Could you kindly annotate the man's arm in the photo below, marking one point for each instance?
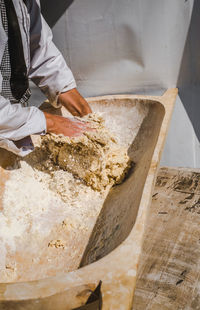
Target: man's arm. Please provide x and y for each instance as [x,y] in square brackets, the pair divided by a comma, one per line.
[74,103]
[17,123]
[49,70]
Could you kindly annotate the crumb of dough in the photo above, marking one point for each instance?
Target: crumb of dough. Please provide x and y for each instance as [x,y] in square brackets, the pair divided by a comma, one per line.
[95,157]
[9,267]
[56,244]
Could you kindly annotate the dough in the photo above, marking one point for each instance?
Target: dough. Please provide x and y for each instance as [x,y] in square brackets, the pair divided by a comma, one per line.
[94,157]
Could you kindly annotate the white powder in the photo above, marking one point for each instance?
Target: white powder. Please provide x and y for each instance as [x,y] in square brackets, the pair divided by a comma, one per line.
[35,203]
[47,219]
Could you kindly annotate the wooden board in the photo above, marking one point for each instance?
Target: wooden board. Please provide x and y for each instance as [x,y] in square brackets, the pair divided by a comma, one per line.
[169,269]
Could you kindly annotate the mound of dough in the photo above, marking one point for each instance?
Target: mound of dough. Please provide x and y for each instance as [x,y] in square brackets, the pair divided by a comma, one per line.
[94,157]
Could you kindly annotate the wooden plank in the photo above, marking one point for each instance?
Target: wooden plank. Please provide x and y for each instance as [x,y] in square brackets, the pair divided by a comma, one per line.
[169,269]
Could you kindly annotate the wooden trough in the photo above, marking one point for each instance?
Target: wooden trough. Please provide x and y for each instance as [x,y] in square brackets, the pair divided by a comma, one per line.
[113,249]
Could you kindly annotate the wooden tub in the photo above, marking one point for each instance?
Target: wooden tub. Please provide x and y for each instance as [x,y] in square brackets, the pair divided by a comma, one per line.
[114,246]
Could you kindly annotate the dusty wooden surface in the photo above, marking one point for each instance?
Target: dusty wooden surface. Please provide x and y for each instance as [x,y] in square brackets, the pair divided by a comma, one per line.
[169,270]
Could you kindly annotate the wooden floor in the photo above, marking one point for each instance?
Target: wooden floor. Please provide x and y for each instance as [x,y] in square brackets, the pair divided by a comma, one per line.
[169,271]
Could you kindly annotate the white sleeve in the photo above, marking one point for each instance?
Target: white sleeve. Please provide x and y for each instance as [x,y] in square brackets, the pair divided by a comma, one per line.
[48,69]
[16,123]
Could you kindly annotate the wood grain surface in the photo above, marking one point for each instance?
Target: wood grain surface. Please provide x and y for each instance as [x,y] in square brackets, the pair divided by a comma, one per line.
[169,269]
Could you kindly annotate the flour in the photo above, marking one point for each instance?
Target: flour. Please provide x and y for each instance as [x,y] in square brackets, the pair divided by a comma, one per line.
[40,207]
[48,214]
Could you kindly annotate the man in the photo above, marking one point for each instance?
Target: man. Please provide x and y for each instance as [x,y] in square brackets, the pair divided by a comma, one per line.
[27,52]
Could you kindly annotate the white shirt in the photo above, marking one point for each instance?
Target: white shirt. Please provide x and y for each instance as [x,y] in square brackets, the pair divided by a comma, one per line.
[46,68]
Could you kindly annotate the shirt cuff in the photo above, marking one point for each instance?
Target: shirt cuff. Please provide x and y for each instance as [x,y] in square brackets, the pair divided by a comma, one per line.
[11,147]
[35,125]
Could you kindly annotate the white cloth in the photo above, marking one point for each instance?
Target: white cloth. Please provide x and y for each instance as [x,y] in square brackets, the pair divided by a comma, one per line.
[46,68]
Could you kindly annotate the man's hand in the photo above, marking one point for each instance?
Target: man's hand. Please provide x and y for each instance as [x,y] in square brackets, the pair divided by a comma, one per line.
[66,126]
[74,103]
